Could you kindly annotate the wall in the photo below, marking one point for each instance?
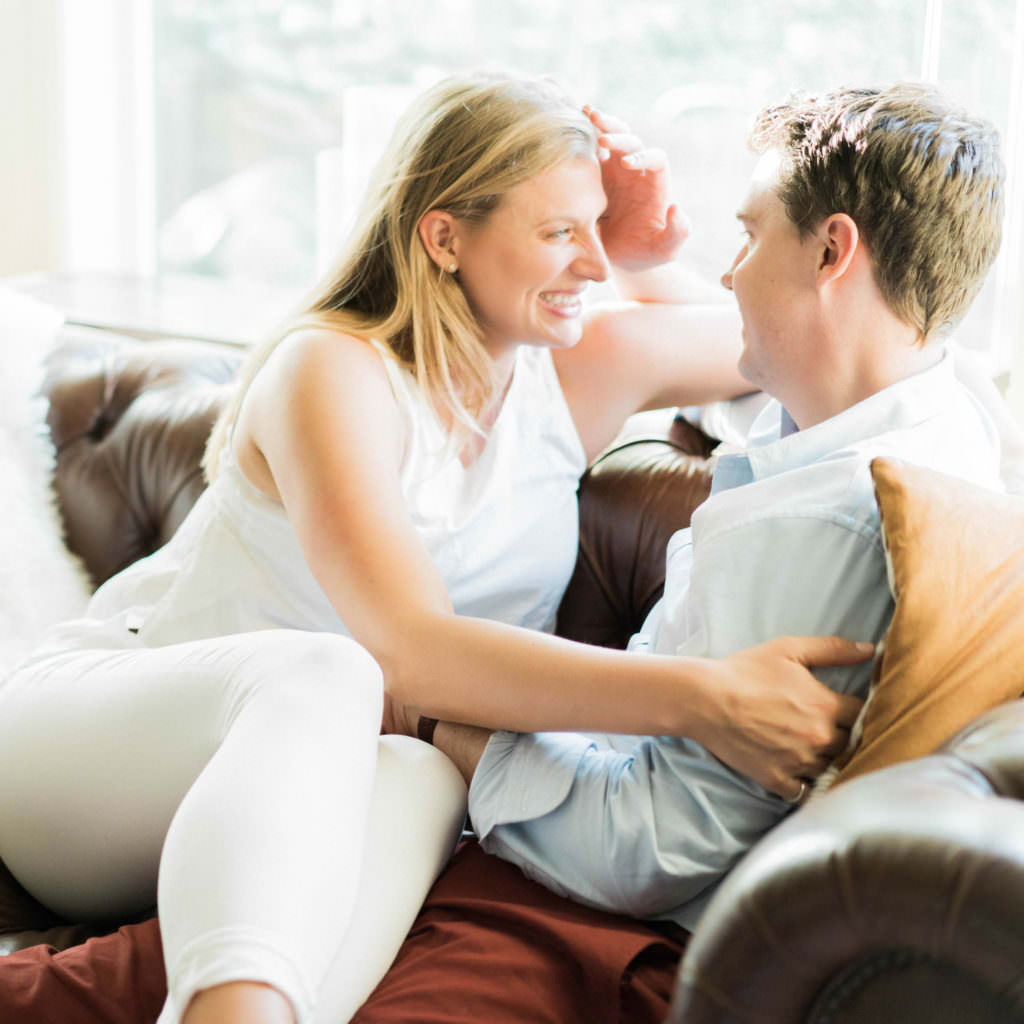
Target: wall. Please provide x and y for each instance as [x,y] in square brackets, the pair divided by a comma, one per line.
[31,137]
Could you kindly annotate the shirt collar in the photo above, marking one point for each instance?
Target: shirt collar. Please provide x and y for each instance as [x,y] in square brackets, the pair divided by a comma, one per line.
[775,445]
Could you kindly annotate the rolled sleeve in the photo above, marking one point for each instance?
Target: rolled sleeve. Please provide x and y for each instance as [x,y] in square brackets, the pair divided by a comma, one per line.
[650,828]
[523,776]
[643,832]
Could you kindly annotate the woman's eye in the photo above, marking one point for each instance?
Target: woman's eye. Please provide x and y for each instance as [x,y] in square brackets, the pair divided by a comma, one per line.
[560,233]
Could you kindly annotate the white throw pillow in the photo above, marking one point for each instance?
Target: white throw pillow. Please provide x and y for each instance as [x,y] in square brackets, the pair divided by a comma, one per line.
[41,582]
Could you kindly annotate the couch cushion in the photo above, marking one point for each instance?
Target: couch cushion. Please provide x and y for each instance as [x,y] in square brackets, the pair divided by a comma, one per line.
[953,649]
[18,910]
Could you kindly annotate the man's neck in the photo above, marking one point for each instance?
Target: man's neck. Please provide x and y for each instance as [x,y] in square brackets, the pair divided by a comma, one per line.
[862,366]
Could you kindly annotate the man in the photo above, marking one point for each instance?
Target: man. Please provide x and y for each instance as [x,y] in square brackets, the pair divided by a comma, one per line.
[869,225]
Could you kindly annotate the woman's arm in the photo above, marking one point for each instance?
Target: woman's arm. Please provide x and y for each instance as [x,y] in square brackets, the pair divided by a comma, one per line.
[648,356]
[322,418]
[675,339]
[771,755]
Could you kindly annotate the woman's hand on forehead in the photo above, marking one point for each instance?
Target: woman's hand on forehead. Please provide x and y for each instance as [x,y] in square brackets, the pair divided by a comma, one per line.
[641,227]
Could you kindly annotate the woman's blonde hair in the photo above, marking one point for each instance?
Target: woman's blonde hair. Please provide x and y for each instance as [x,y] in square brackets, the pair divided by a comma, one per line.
[460,147]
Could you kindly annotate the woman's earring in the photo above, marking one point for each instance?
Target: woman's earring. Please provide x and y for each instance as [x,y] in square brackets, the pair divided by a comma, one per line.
[452,267]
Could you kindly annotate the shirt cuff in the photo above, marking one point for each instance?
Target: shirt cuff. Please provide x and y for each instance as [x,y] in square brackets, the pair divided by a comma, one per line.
[522,776]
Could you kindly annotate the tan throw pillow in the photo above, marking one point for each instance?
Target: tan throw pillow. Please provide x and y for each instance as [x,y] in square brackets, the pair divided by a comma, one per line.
[955,647]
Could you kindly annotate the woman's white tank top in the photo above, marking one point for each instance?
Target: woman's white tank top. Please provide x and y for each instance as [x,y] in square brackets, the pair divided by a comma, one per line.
[503,531]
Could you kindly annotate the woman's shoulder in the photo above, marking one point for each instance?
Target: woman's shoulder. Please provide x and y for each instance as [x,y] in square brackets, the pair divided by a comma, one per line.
[315,373]
[324,350]
[321,391]
[316,383]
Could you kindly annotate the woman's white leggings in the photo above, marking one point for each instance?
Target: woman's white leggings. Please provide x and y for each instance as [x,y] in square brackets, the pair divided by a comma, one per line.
[241,783]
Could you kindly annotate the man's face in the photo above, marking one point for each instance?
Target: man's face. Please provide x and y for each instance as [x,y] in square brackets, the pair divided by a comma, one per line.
[774,280]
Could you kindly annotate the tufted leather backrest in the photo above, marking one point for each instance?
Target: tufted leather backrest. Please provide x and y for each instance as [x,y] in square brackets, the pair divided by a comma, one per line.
[130,420]
[642,489]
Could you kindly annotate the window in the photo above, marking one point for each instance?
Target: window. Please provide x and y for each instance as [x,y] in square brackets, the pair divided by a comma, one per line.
[267,114]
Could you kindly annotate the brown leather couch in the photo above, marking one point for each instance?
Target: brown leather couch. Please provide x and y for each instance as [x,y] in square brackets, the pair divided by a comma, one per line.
[898,897]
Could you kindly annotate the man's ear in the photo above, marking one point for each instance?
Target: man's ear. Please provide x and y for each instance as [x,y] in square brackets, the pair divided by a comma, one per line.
[437,230]
[840,241]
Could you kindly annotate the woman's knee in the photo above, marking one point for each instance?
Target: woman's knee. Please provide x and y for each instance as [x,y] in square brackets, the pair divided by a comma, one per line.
[325,673]
[412,763]
[421,785]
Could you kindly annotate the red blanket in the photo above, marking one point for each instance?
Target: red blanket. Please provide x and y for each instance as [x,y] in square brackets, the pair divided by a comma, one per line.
[489,945]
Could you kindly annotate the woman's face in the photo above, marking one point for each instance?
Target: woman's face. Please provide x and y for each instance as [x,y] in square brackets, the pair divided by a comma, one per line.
[525,268]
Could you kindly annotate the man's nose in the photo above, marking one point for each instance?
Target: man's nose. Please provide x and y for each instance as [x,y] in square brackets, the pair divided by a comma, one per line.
[726,278]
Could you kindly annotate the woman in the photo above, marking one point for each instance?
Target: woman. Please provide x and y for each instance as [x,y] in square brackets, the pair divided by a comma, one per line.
[392,502]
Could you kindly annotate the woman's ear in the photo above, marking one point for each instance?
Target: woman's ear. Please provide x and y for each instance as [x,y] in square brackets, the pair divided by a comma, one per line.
[437,230]
[840,241]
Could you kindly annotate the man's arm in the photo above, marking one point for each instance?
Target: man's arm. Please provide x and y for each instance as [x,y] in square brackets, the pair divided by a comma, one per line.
[644,829]
[464,745]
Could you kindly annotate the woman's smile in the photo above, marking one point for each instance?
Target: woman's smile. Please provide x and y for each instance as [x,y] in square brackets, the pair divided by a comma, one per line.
[567,304]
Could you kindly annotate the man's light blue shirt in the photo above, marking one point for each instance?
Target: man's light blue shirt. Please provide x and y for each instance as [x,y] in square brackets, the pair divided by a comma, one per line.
[789,542]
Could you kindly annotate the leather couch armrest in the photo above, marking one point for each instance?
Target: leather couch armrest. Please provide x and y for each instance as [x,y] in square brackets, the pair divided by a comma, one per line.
[896,898]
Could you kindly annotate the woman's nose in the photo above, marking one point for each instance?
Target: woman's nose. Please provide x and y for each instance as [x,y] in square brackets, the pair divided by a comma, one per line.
[592,262]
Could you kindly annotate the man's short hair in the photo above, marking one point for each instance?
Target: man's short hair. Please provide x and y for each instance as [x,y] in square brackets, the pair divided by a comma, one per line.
[922,180]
